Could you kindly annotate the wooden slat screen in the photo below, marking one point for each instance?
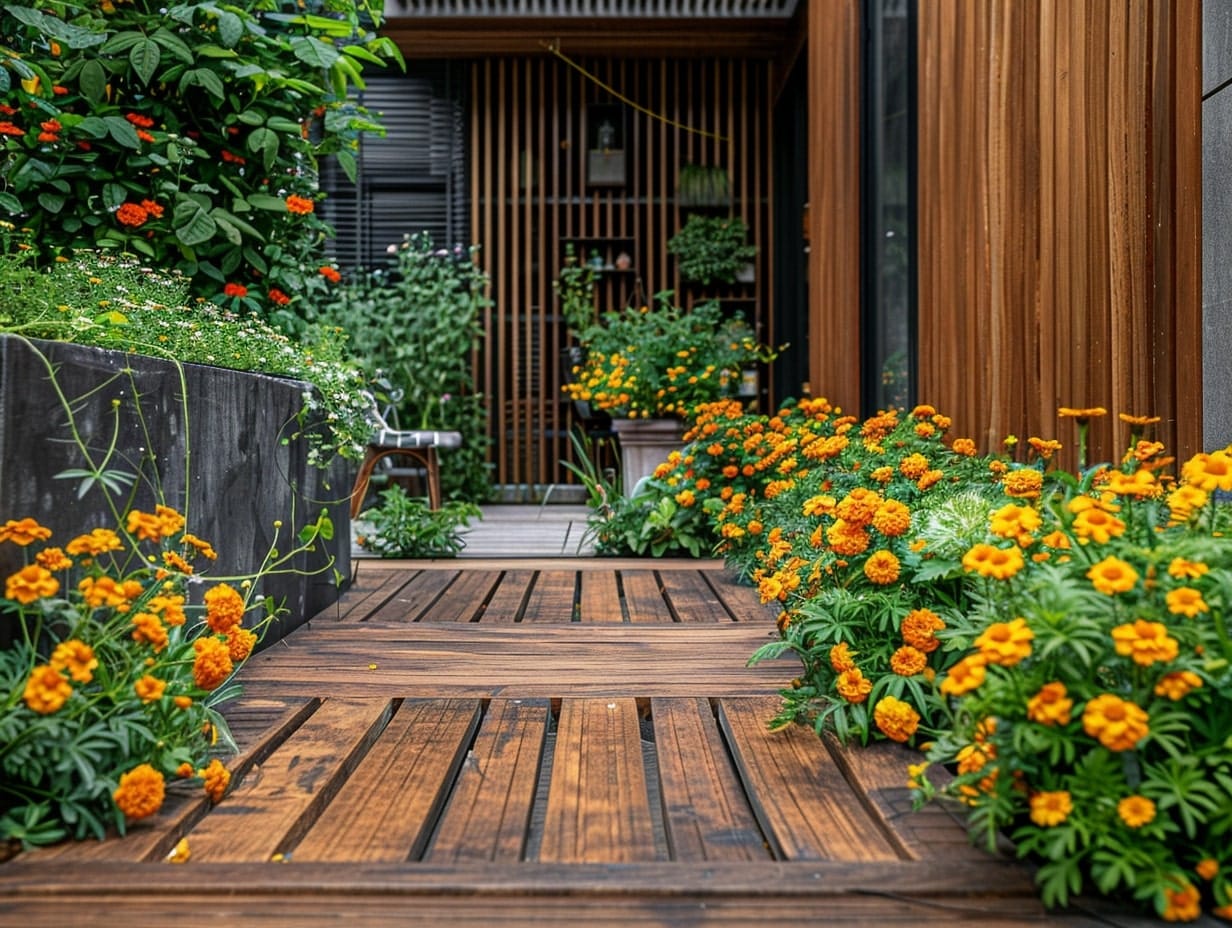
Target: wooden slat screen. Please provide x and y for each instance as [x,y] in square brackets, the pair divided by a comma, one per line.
[528,144]
[1059,216]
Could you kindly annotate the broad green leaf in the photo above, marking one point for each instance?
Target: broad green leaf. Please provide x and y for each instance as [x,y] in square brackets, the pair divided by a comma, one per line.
[232,235]
[230,29]
[122,131]
[315,53]
[114,195]
[282,124]
[6,83]
[211,82]
[121,42]
[265,201]
[265,141]
[193,225]
[93,81]
[222,215]
[174,44]
[346,160]
[253,257]
[144,58]
[215,51]
[358,51]
[93,126]
[10,204]
[52,202]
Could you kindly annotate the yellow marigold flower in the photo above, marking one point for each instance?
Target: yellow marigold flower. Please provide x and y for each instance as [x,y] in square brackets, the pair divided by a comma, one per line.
[892,518]
[990,561]
[182,702]
[23,531]
[923,411]
[964,446]
[1142,484]
[177,563]
[1138,421]
[1082,415]
[1184,502]
[1209,472]
[217,778]
[1187,601]
[1177,684]
[972,758]
[914,466]
[148,628]
[53,559]
[1023,483]
[1011,521]
[964,676]
[224,608]
[145,525]
[1112,575]
[184,771]
[818,505]
[686,498]
[882,568]
[1117,723]
[1051,705]
[99,541]
[1187,570]
[212,664]
[895,718]
[77,658]
[1056,539]
[141,792]
[46,690]
[859,506]
[1006,643]
[1049,809]
[1207,868]
[925,429]
[29,584]
[1136,811]
[908,661]
[915,775]
[150,688]
[846,539]
[754,527]
[770,589]
[919,628]
[852,686]
[105,591]
[930,479]
[1098,526]
[169,520]
[841,658]
[1182,905]
[1045,448]
[169,608]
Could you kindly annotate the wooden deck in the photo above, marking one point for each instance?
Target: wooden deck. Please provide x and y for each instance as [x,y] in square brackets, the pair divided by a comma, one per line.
[486,742]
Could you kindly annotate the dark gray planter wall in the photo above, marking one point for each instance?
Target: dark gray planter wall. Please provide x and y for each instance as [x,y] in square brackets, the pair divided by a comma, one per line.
[1216,223]
[241,477]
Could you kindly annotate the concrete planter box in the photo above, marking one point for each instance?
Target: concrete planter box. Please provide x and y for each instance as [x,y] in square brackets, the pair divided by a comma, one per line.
[241,479]
[644,445]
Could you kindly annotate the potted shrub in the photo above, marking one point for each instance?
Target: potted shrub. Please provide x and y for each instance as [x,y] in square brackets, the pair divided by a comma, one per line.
[712,249]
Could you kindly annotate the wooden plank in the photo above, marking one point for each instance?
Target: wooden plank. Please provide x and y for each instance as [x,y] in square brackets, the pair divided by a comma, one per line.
[388,805]
[415,597]
[552,597]
[534,560]
[490,808]
[370,589]
[879,772]
[644,597]
[600,597]
[597,809]
[508,600]
[741,599]
[518,661]
[705,810]
[270,810]
[805,806]
[465,598]
[691,599]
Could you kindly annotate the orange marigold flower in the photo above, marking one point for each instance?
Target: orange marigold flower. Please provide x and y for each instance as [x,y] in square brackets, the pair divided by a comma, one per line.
[141,792]
[1177,684]
[138,120]
[182,702]
[846,539]
[217,778]
[908,661]
[77,658]
[23,531]
[277,297]
[1182,905]
[204,548]
[895,718]
[1138,421]
[240,642]
[53,559]
[841,658]
[236,290]
[105,591]
[892,518]
[1136,811]
[1045,448]
[1049,809]
[1141,484]
[1082,415]
[925,429]
[930,479]
[1098,526]
[329,273]
[1207,868]
[964,446]
[1118,723]
[1023,483]
[1051,705]
[175,562]
[882,474]
[923,411]
[859,506]
[212,664]
[1006,643]
[150,688]
[46,690]
[852,686]
[1209,472]
[145,525]
[132,215]
[169,608]
[1187,601]
[819,505]
[300,206]
[964,676]
[990,561]
[148,628]
[919,628]
[224,608]
[1012,521]
[184,771]
[1184,502]
[1112,575]
[1187,570]
[914,466]
[99,541]
[31,583]
[882,567]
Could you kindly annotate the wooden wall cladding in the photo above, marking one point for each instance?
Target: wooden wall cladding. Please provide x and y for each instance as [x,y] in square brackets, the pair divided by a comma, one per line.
[530,194]
[1059,216]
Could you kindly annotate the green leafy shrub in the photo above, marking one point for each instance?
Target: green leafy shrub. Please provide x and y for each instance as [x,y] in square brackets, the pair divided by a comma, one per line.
[188,134]
[405,526]
[712,248]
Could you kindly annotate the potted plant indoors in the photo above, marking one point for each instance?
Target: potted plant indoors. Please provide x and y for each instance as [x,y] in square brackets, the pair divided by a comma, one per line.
[712,249]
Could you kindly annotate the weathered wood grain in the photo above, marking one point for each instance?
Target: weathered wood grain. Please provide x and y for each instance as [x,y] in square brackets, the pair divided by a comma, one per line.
[644,597]
[508,600]
[552,597]
[691,598]
[464,600]
[600,597]
[414,597]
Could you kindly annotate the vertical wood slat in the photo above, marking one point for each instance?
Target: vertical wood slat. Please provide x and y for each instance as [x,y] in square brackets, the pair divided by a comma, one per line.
[1067,278]
[528,117]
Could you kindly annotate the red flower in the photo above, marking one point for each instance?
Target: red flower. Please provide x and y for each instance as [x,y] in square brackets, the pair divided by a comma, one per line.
[59,90]
[278,297]
[84,145]
[7,110]
[51,125]
[48,137]
[137,119]
[301,206]
[330,274]
[130,214]
[7,128]
[235,290]
[153,208]
[233,159]
[144,136]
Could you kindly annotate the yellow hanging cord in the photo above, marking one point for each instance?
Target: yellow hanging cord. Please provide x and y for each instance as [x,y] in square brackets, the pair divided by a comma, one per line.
[555,50]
